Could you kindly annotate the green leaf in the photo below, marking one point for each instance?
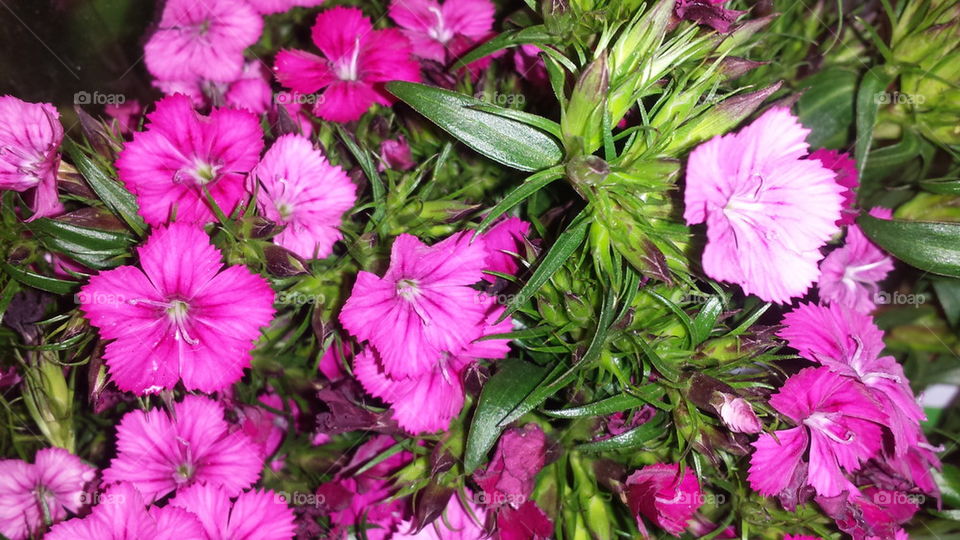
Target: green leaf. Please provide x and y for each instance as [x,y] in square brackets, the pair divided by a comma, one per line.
[613,404]
[531,185]
[703,324]
[532,34]
[500,395]
[826,106]
[631,439]
[116,197]
[568,242]
[512,143]
[95,248]
[873,84]
[37,281]
[532,120]
[948,293]
[942,186]
[930,246]
[370,170]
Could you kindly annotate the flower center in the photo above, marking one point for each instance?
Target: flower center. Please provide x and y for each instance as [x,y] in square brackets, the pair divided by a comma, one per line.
[408,289]
[826,424]
[440,31]
[850,277]
[199,174]
[177,312]
[346,67]
[183,473]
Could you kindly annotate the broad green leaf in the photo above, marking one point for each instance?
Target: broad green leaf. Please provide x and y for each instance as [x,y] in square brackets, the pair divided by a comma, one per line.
[948,293]
[116,197]
[612,404]
[826,106]
[95,248]
[631,439]
[514,380]
[930,246]
[869,98]
[568,242]
[558,378]
[37,281]
[532,120]
[512,143]
[531,185]
[942,186]
[532,34]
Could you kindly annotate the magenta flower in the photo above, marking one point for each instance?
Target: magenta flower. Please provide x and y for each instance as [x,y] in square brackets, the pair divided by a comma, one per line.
[872,513]
[160,453]
[661,494]
[202,40]
[768,211]
[53,484]
[443,32]
[254,515]
[182,153]
[121,514]
[505,242]
[266,7]
[357,61]
[251,91]
[845,168]
[849,275]
[302,192]
[837,421]
[264,427]
[179,317]
[849,343]
[509,478]
[395,154]
[423,308]
[126,114]
[30,135]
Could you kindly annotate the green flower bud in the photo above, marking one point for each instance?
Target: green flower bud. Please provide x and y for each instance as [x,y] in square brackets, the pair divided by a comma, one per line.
[49,399]
[581,121]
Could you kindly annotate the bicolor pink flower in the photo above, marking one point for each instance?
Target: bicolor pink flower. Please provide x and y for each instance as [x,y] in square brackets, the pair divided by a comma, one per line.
[181,316]
[457,522]
[837,422]
[301,191]
[253,515]
[849,275]
[736,413]
[52,485]
[395,154]
[849,343]
[708,12]
[845,167]
[30,136]
[422,309]
[159,452]
[266,7]
[202,40]
[122,514]
[505,244]
[768,211]
[183,153]
[661,494]
[357,60]
[443,32]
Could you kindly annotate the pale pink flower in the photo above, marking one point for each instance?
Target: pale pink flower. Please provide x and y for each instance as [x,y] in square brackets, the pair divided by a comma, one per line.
[737,413]
[456,523]
[202,40]
[181,153]
[768,211]
[661,494]
[505,242]
[357,60]
[849,343]
[301,191]
[182,316]
[30,136]
[122,514]
[266,7]
[837,421]
[53,484]
[253,515]
[849,275]
[441,32]
[422,309]
[845,168]
[160,453]
[395,154]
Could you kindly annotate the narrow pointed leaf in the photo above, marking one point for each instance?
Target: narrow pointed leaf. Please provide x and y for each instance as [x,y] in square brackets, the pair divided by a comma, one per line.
[531,185]
[116,197]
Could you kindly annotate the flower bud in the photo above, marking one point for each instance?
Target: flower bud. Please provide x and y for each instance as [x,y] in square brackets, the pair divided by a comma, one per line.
[581,121]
